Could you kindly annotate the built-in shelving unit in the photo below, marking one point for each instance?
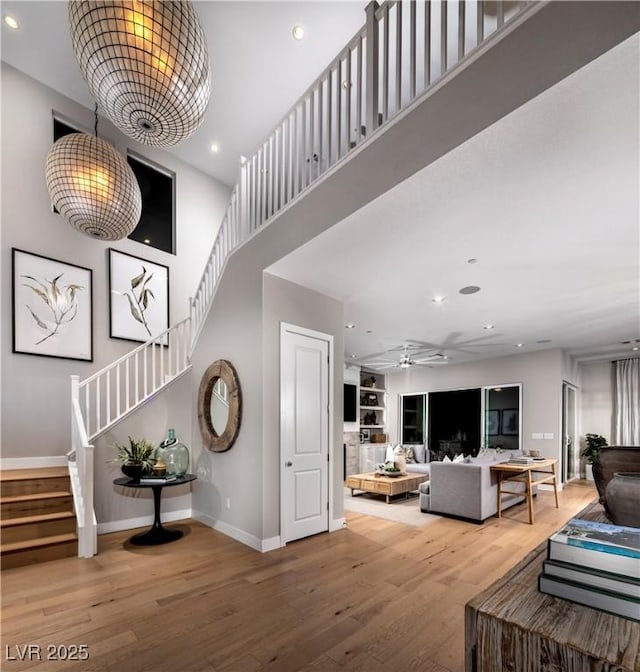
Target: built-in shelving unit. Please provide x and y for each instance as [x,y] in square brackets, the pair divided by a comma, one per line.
[372,408]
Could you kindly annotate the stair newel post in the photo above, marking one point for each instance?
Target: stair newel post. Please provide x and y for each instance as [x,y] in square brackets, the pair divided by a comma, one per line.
[75,404]
[371,98]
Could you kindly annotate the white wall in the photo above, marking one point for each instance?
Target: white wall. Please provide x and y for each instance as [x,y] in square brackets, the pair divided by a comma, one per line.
[36,390]
[596,399]
[540,374]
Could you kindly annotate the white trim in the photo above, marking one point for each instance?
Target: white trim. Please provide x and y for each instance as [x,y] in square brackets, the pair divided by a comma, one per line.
[261,545]
[337,524]
[328,338]
[549,486]
[33,462]
[142,521]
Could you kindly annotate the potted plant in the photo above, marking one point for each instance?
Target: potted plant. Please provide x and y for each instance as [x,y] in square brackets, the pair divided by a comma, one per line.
[135,459]
[593,444]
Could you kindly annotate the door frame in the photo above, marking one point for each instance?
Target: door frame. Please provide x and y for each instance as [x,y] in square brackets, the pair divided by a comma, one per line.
[328,338]
[566,388]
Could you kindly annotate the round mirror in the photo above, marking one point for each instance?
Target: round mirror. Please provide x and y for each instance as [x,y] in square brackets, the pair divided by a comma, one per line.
[219,406]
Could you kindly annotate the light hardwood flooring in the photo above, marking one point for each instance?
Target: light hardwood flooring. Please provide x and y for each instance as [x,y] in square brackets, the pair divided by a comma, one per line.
[375,596]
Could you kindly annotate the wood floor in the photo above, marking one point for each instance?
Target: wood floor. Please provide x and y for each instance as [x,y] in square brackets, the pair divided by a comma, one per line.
[377,595]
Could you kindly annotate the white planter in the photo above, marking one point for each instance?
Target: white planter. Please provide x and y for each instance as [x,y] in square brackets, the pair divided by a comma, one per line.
[589,472]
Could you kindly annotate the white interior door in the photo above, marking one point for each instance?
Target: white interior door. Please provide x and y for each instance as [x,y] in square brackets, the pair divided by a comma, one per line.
[305,414]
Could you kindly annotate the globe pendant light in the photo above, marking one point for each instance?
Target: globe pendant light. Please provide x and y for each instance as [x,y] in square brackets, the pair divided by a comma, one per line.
[146,62]
[93,187]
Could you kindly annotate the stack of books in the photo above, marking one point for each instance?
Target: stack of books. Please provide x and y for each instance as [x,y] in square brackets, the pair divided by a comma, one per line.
[150,480]
[595,564]
[521,459]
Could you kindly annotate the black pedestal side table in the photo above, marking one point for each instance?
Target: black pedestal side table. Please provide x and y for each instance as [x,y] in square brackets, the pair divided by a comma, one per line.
[156,534]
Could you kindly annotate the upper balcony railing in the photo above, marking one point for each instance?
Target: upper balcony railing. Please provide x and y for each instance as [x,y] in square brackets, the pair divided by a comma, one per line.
[400,53]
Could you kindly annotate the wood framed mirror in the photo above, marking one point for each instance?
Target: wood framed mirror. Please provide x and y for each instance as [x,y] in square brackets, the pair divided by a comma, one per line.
[219,406]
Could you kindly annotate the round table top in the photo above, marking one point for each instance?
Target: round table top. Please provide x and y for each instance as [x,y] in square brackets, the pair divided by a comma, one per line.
[131,483]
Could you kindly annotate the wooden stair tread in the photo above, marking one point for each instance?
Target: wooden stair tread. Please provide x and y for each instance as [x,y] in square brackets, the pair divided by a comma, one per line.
[54,494]
[53,540]
[31,474]
[36,518]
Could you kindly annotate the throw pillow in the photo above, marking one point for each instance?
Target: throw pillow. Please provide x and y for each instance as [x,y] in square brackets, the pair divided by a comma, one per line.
[420,453]
[389,454]
[409,456]
[459,458]
[446,458]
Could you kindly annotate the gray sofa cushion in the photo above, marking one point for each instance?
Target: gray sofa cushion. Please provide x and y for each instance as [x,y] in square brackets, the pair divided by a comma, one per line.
[418,468]
[420,453]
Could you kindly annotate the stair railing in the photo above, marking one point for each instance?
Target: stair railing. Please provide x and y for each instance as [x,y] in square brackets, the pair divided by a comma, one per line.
[400,53]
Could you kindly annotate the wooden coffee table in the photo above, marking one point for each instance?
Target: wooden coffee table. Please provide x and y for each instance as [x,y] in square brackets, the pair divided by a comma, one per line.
[386,485]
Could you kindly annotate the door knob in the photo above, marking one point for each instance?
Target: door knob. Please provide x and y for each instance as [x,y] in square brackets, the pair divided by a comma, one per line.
[288,464]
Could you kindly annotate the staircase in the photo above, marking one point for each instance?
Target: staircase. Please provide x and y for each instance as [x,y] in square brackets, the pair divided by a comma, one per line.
[37,520]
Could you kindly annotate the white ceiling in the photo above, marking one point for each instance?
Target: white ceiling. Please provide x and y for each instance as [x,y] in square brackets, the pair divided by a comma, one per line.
[258,69]
[546,199]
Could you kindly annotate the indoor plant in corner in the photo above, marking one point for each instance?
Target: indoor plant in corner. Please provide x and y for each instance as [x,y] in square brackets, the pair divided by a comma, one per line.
[136,458]
[593,444]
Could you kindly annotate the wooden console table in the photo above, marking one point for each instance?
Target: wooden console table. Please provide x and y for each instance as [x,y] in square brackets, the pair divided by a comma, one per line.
[522,473]
[512,627]
[386,485]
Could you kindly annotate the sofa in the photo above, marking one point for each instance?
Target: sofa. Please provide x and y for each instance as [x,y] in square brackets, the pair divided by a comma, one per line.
[466,490]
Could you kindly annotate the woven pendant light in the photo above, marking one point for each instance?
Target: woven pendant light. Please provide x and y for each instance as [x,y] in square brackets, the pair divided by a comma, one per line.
[93,187]
[146,63]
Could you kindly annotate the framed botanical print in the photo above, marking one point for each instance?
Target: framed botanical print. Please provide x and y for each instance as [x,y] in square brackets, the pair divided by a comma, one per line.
[52,307]
[138,297]
[493,423]
[510,422]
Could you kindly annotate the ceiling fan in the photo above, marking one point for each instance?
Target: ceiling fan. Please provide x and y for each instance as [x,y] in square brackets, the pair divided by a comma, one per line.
[406,359]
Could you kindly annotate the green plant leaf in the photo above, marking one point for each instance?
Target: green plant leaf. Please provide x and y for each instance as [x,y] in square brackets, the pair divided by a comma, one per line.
[39,322]
[134,310]
[138,279]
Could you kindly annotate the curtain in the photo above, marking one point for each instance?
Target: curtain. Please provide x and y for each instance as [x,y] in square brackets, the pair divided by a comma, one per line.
[626,407]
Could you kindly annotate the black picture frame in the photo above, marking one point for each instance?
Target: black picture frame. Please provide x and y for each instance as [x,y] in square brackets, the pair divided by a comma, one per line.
[510,422]
[138,298]
[51,307]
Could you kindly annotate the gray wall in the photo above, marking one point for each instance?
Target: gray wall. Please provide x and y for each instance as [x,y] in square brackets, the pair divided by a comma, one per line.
[36,390]
[540,374]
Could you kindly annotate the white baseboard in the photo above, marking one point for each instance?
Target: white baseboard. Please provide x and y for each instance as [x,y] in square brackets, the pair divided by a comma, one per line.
[33,462]
[548,486]
[271,544]
[337,524]
[236,533]
[142,521]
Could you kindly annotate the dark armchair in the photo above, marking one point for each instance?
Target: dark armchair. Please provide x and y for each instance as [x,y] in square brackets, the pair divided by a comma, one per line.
[612,459]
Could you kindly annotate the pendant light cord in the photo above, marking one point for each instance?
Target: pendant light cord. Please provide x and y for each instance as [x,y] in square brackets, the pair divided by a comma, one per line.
[95,120]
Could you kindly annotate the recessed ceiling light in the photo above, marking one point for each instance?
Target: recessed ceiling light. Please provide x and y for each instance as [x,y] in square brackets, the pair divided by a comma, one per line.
[471,289]
[297,32]
[489,326]
[349,326]
[472,261]
[438,299]
[544,340]
[11,21]
[519,345]
[635,347]
[215,147]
